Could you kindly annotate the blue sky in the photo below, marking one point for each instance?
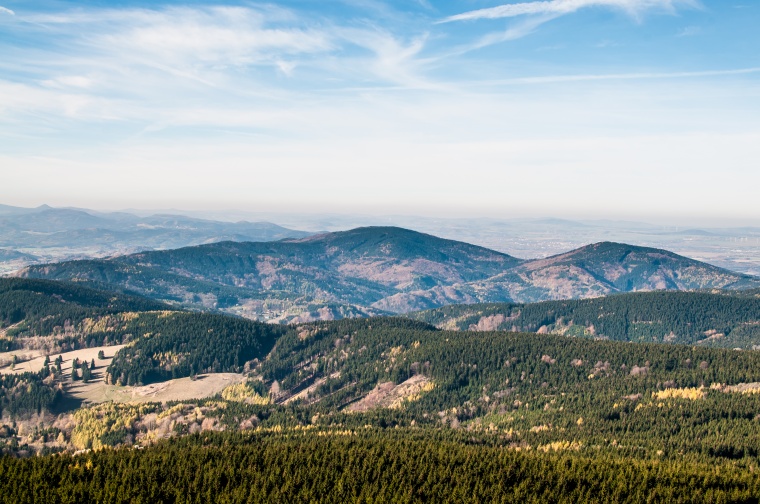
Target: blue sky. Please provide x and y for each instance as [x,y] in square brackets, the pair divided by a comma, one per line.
[575,108]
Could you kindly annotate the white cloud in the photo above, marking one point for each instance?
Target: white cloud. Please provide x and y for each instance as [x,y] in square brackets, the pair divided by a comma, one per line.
[395,59]
[4,10]
[217,35]
[561,7]
[538,13]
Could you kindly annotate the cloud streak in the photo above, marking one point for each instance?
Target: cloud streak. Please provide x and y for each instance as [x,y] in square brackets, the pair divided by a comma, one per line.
[561,7]
[554,79]
[4,10]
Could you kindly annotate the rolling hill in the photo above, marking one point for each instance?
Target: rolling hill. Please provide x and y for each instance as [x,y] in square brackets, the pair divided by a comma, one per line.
[377,270]
[692,318]
[45,226]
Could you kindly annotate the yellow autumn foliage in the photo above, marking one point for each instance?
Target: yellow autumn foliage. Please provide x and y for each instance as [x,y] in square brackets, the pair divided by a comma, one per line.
[243,392]
[691,393]
[561,446]
[94,422]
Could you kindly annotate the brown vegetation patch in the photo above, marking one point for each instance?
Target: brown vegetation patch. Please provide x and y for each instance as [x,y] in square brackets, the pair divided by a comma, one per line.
[388,395]
[490,323]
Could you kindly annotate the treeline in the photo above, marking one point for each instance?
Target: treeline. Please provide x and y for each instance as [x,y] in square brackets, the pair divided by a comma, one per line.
[177,345]
[673,317]
[400,467]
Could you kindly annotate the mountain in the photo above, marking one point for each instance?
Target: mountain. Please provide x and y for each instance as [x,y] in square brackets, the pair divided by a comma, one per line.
[378,270]
[12,255]
[360,267]
[692,318]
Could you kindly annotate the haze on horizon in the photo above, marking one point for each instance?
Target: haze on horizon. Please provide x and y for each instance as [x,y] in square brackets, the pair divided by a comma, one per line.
[643,109]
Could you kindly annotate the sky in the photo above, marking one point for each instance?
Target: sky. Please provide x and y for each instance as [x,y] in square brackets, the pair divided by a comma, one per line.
[646,109]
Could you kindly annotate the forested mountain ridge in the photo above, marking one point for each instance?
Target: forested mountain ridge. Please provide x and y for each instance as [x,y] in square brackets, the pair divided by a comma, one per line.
[681,420]
[693,318]
[384,269]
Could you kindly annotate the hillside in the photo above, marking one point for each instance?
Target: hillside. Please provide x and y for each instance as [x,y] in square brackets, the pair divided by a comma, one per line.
[520,390]
[177,345]
[375,270]
[149,346]
[692,318]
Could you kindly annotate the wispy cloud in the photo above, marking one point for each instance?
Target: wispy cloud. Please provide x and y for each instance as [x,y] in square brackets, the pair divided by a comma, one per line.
[539,13]
[561,7]
[4,10]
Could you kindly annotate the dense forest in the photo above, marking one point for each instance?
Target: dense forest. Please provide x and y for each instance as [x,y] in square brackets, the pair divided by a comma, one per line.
[408,466]
[721,320]
[176,345]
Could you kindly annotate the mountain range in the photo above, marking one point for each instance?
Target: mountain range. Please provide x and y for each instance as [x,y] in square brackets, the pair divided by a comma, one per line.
[376,270]
[29,235]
